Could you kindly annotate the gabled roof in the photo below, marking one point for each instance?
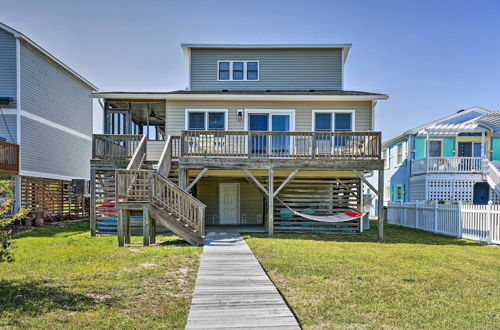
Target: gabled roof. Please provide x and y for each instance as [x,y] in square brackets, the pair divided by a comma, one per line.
[21,36]
[460,117]
[394,139]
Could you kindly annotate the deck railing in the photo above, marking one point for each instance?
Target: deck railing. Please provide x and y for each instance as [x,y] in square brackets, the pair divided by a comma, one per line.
[296,145]
[114,146]
[447,165]
[9,158]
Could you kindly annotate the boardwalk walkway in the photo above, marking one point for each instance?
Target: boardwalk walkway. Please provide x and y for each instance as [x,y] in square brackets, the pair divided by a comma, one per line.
[232,290]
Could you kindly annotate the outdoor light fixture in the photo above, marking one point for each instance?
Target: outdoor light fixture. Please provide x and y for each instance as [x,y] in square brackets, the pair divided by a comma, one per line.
[239,113]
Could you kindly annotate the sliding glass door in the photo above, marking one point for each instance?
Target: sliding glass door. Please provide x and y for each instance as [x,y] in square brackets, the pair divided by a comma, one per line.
[270,122]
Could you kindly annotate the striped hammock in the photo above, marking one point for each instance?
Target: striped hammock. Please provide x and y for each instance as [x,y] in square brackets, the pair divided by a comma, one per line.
[348,215]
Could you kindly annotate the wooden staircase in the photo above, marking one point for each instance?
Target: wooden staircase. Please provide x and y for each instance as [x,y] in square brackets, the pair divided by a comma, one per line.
[145,185]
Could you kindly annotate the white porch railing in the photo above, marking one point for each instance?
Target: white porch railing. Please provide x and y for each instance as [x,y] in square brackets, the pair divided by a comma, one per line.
[446,165]
[475,222]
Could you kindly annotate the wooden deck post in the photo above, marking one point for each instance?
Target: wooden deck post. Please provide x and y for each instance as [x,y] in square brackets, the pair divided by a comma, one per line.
[145,225]
[152,231]
[270,203]
[380,205]
[182,178]
[93,220]
[120,227]
[127,227]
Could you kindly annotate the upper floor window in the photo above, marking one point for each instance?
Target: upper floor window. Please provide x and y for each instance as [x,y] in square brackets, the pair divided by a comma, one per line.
[224,70]
[435,148]
[238,70]
[400,153]
[333,121]
[210,119]
[385,155]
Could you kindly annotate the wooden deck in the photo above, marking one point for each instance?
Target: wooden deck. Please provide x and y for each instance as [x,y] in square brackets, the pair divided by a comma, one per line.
[233,291]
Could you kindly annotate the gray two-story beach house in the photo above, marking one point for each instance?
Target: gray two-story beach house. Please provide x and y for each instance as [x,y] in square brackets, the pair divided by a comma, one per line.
[46,112]
[262,132]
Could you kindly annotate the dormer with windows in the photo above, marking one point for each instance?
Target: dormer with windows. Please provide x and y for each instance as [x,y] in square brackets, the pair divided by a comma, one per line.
[265,67]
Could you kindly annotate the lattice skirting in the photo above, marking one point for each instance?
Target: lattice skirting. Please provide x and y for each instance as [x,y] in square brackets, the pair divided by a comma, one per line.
[447,188]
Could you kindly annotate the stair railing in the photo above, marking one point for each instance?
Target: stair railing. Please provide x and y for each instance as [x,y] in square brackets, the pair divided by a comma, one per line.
[165,162]
[139,155]
[150,187]
[171,198]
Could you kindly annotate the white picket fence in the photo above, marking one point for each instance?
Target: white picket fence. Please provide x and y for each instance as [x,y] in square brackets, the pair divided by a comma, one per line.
[475,222]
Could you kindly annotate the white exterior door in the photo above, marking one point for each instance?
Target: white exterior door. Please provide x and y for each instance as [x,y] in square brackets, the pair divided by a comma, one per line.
[229,203]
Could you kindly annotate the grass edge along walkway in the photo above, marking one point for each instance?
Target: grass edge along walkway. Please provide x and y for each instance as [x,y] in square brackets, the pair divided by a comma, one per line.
[233,291]
[413,280]
[63,278]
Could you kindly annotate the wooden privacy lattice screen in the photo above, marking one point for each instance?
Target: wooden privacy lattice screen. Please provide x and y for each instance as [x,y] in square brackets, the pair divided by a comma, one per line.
[319,197]
[49,196]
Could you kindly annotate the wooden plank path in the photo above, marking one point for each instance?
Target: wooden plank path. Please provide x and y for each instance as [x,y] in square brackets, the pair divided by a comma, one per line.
[232,290]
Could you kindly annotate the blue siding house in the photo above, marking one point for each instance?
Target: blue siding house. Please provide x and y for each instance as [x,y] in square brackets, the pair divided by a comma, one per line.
[445,160]
[50,118]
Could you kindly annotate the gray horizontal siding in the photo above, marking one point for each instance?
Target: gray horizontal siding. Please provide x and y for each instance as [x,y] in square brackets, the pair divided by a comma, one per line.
[8,77]
[52,93]
[11,127]
[175,114]
[50,150]
[289,69]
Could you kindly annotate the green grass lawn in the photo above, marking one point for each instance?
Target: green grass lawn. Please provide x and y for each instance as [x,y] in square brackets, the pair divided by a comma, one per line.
[413,280]
[62,278]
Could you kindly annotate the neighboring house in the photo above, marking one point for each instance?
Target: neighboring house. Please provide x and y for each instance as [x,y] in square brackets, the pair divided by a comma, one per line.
[257,122]
[444,160]
[50,117]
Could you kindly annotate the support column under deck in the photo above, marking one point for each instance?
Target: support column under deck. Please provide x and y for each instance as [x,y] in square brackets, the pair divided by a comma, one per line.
[93,220]
[270,206]
[380,205]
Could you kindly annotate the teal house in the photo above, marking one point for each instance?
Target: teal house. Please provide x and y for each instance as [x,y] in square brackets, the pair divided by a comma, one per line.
[451,159]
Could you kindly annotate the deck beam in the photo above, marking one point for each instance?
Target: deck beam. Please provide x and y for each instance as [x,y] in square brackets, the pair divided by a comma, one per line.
[198,177]
[362,177]
[254,179]
[283,185]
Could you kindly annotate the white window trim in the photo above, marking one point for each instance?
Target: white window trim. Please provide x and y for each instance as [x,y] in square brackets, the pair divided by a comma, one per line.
[442,145]
[385,154]
[206,111]
[244,70]
[352,112]
[291,112]
[399,147]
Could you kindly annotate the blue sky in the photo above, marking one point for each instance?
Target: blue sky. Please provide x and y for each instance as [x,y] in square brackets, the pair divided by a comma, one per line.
[432,57]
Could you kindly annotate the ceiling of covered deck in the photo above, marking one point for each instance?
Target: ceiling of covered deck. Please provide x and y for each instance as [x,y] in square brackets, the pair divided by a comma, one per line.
[141,110]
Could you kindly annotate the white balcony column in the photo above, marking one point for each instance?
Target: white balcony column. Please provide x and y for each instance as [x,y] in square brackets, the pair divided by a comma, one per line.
[483,146]
[427,153]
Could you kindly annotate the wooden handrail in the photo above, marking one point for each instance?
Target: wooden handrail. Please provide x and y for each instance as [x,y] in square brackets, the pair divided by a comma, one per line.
[266,144]
[9,158]
[139,155]
[151,187]
[165,161]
